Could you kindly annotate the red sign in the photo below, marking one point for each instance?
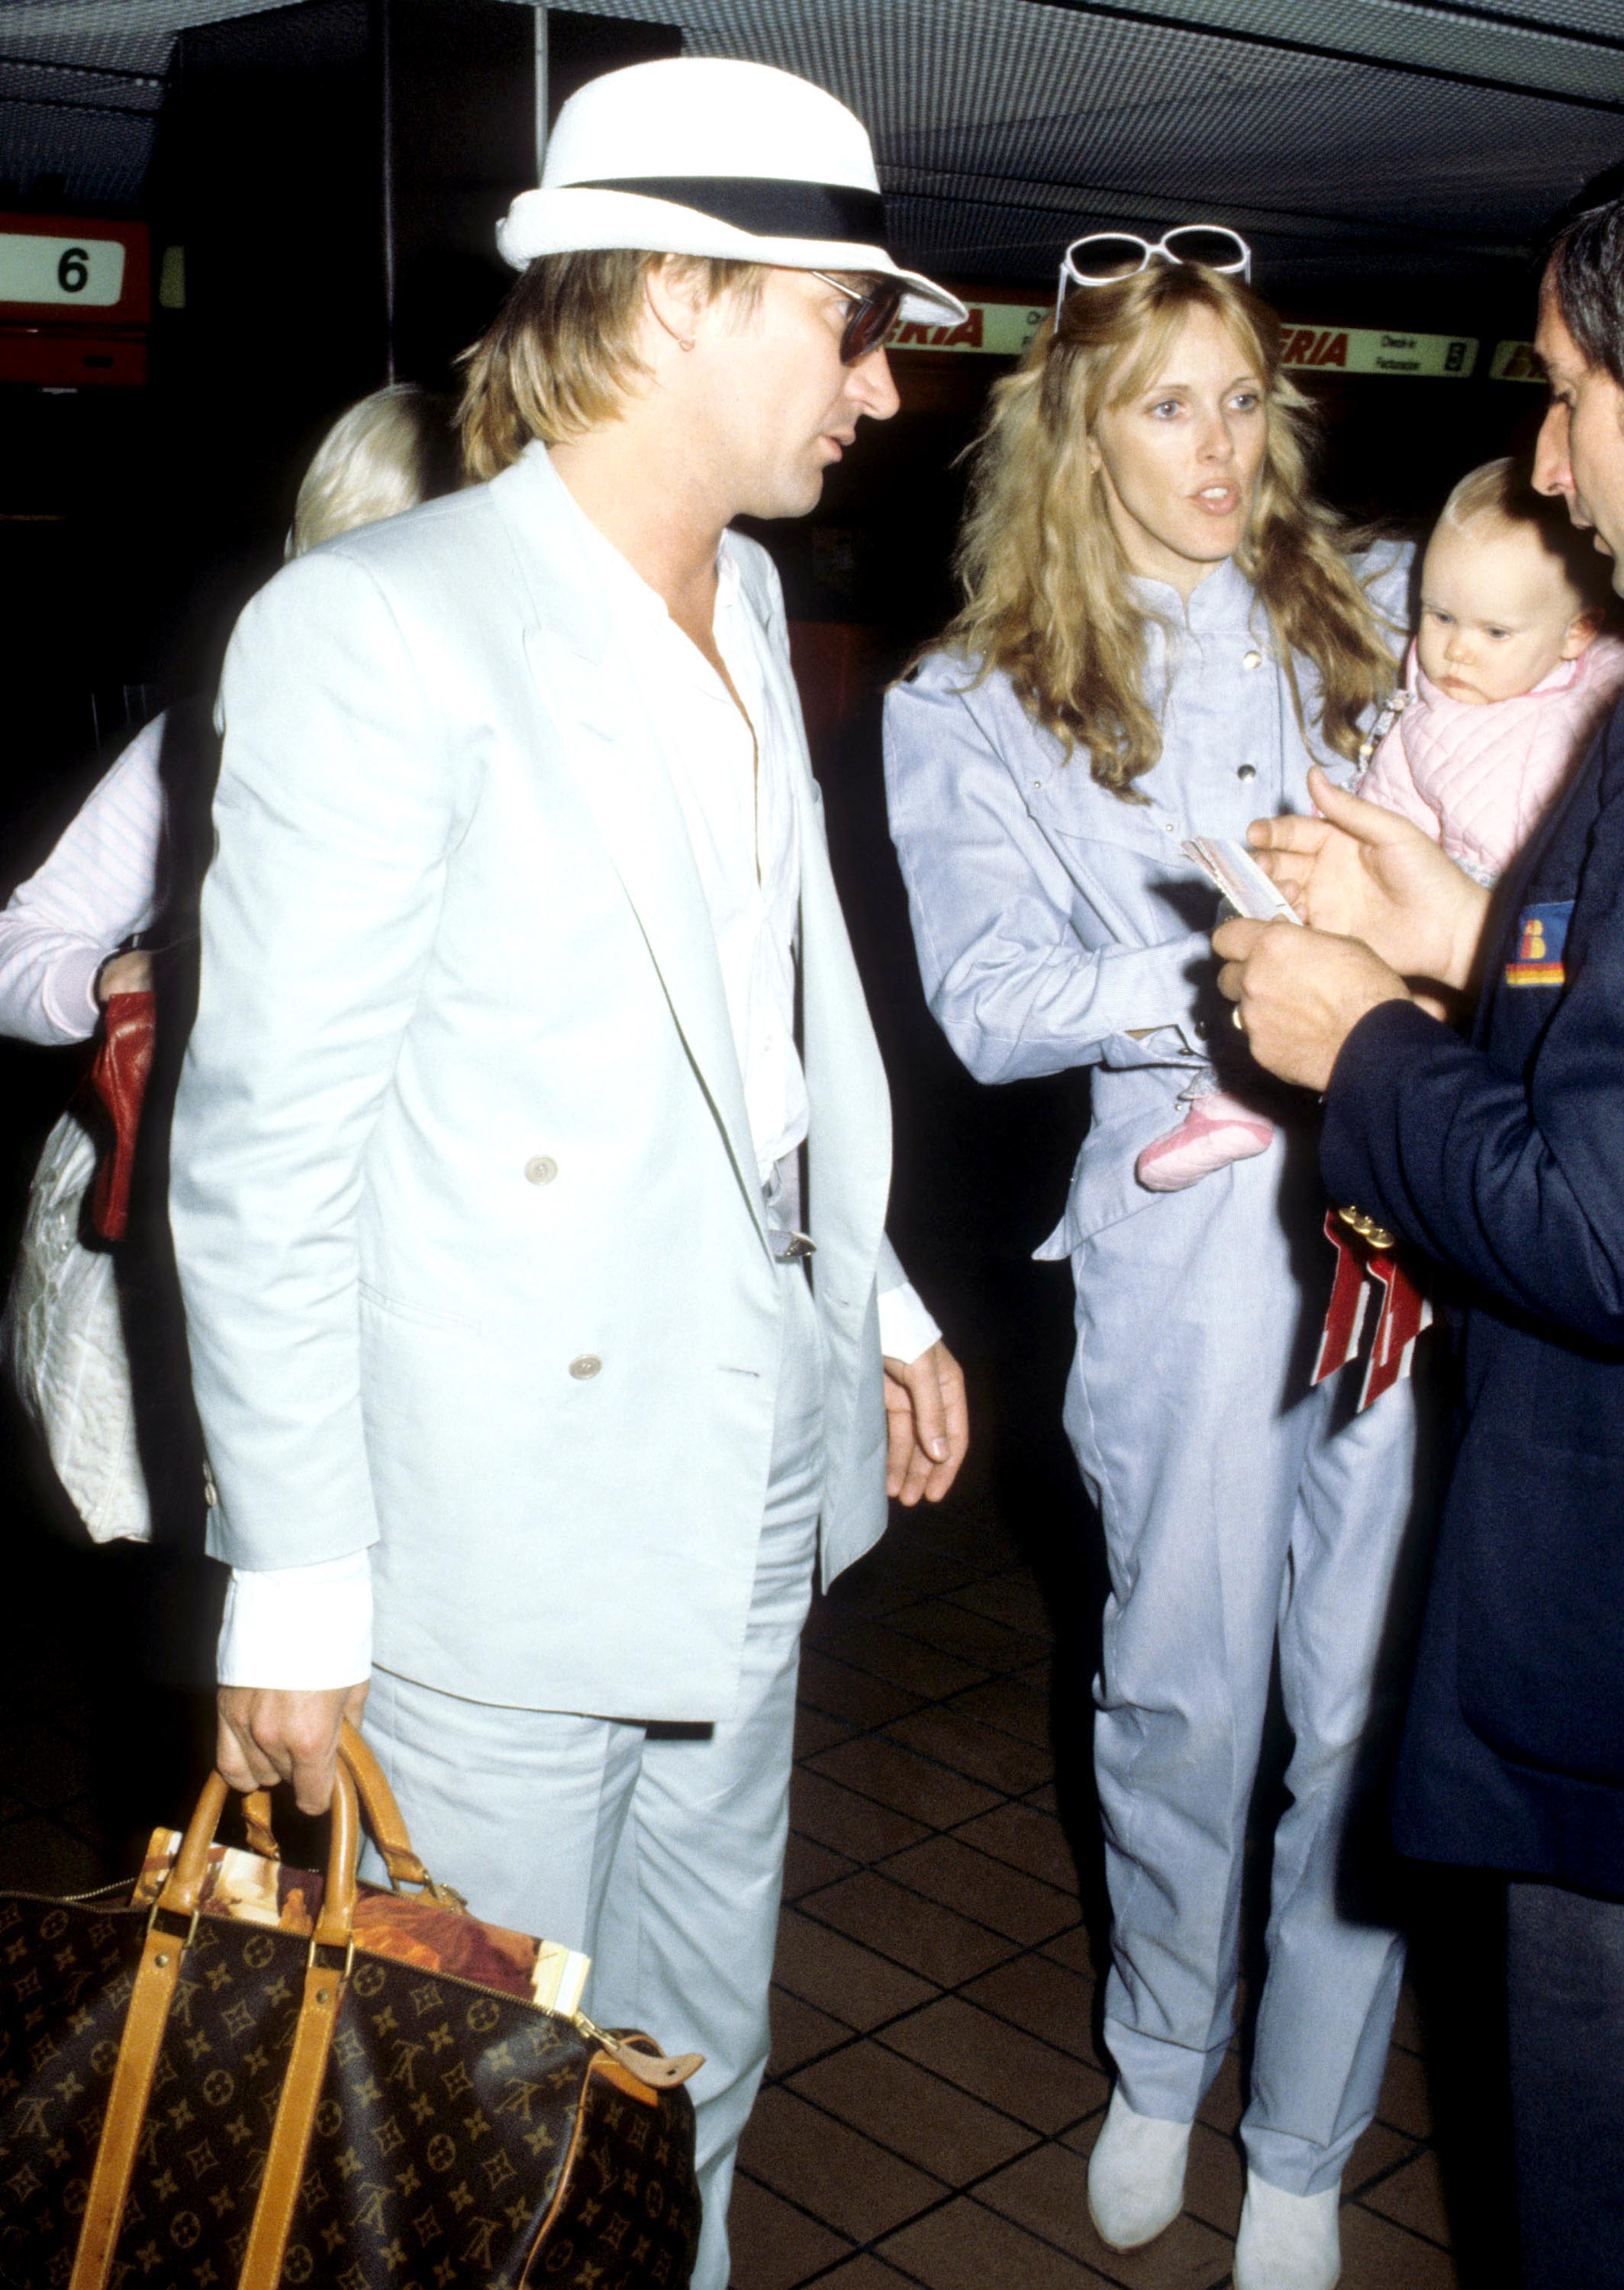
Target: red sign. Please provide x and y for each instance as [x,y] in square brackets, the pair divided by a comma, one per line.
[75,301]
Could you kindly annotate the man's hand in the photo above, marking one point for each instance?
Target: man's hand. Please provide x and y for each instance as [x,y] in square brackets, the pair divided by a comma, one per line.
[265,1735]
[927,1425]
[1366,873]
[1300,993]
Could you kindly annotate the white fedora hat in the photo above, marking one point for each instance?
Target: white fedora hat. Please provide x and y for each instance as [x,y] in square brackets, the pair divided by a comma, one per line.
[699,154]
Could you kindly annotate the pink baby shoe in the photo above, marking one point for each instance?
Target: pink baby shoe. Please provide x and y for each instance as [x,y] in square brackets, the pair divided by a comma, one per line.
[1217,1129]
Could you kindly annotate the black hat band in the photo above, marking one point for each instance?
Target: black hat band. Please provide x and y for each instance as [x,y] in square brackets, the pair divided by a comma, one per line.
[765,206]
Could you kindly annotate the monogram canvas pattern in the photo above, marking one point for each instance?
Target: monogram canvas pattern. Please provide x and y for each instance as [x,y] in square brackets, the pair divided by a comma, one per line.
[452,2122]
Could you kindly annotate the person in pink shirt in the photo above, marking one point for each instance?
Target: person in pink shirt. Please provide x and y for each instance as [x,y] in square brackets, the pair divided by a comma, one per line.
[1507,681]
[1508,678]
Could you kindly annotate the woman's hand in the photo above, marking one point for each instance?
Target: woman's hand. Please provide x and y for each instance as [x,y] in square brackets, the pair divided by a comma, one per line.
[123,974]
[1361,872]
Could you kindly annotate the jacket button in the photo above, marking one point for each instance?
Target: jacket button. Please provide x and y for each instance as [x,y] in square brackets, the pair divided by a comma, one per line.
[211,1493]
[587,1366]
[1251,660]
[541,1170]
[1245,770]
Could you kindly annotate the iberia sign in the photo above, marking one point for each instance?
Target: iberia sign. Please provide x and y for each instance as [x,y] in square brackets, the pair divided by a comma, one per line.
[1004,329]
[996,329]
[1517,362]
[1361,349]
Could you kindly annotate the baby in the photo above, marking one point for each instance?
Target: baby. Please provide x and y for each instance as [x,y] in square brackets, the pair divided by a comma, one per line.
[1507,683]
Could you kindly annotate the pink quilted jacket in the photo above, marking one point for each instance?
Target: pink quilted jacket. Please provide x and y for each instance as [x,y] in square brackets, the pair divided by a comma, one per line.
[1479,778]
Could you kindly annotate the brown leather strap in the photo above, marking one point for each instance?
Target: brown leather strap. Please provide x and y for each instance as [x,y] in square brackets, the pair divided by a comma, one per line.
[156,1979]
[183,1887]
[384,1818]
[284,2165]
[257,1821]
[307,2068]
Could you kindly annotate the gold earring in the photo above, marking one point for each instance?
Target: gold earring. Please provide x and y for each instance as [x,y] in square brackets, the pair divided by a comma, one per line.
[684,341]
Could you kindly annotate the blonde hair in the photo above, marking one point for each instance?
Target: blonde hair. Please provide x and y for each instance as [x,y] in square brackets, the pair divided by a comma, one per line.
[1502,493]
[560,358]
[1045,582]
[382,456]
[1493,489]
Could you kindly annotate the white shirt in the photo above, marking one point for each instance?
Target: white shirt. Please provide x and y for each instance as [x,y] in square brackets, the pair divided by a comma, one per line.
[310,1627]
[96,890]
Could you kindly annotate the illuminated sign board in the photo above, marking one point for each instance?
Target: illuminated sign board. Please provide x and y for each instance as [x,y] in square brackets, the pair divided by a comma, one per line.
[1004,329]
[75,301]
[1517,362]
[77,273]
[1363,349]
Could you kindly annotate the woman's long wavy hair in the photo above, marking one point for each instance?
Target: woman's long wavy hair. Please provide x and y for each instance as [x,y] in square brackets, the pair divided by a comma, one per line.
[1045,582]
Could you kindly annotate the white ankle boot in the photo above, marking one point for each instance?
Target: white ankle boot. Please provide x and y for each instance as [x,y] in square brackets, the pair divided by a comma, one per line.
[1288,2242]
[1136,2175]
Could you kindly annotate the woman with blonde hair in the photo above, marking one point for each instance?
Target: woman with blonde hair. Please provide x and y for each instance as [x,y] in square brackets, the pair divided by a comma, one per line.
[1160,634]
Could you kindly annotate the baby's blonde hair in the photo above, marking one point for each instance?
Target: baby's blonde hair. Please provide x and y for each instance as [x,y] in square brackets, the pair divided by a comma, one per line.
[1502,493]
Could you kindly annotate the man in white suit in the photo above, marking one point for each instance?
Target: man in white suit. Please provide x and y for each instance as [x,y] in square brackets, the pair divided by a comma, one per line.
[531,1373]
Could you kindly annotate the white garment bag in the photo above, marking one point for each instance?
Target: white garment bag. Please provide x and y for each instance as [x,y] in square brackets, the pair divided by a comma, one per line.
[63,1341]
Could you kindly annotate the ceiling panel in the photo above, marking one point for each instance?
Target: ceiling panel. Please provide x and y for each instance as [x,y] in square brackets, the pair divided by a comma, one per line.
[1004,126]
[1331,131]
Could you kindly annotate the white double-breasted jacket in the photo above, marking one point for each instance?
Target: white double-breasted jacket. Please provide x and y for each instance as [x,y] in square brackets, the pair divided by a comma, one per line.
[465,1200]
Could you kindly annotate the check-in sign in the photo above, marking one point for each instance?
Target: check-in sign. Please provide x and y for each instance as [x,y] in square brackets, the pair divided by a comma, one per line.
[1004,329]
[61,272]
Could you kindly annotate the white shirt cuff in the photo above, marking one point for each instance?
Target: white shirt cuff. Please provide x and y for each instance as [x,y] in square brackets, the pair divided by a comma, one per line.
[906,1328]
[69,991]
[304,1629]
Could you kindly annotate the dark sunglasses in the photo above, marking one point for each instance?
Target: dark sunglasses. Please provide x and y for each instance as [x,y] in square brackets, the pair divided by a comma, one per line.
[872,317]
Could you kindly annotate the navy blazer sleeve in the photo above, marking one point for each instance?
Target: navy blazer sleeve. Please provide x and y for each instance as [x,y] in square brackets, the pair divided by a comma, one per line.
[1504,1157]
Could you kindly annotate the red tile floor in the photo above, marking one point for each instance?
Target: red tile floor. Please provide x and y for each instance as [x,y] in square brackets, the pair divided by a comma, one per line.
[936,2083]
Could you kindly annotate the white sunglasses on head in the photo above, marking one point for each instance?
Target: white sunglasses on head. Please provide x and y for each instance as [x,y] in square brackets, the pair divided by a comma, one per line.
[1123,253]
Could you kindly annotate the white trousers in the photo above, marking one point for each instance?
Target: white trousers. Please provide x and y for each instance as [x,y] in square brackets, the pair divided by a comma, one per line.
[658,1849]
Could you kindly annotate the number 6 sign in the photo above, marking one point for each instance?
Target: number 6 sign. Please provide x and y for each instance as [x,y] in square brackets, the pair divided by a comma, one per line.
[75,301]
[53,267]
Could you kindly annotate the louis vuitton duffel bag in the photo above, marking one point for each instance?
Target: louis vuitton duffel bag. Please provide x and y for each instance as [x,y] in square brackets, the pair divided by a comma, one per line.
[234,2075]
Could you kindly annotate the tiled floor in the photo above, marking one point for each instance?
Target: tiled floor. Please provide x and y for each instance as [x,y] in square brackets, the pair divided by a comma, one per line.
[936,2081]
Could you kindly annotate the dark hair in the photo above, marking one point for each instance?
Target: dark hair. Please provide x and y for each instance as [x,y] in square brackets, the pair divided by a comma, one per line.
[1584,270]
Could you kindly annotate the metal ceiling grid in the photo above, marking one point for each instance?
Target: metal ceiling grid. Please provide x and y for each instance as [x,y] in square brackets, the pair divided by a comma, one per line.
[989,115]
[1557,54]
[81,84]
[1346,136]
[134,36]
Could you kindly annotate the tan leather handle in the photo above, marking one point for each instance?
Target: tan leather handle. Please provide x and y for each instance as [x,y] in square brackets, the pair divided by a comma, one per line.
[257,1821]
[153,1992]
[335,1925]
[323,1997]
[384,1818]
[183,1887]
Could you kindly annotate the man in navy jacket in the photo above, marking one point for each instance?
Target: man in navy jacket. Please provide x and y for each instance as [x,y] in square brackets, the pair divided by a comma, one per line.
[1501,1157]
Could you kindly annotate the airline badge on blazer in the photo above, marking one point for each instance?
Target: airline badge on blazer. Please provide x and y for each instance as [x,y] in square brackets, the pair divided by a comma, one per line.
[1541,934]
